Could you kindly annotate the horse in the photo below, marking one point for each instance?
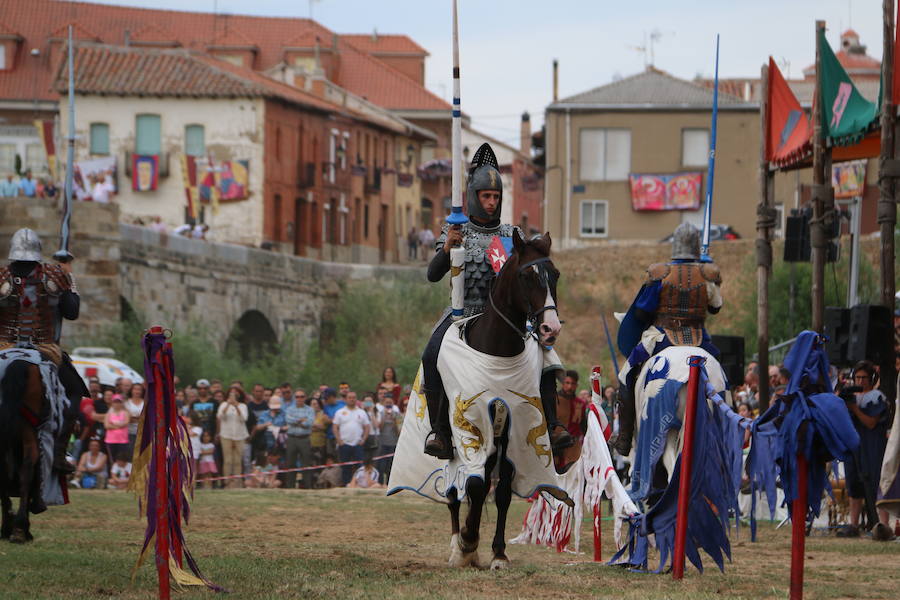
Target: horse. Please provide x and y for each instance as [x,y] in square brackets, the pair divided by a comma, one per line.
[660,395]
[23,408]
[491,366]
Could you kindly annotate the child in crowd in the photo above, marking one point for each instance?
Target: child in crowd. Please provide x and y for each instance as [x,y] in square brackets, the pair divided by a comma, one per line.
[266,476]
[330,476]
[195,431]
[120,473]
[365,477]
[207,459]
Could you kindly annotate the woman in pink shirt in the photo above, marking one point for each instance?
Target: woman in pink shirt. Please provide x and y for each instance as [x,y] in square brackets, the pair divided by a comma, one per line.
[116,425]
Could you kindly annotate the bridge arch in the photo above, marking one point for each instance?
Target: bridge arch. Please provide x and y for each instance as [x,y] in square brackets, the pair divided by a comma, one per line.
[251,336]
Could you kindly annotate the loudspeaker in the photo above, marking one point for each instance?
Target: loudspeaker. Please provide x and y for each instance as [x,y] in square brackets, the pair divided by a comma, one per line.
[731,357]
[796,238]
[871,333]
[837,329]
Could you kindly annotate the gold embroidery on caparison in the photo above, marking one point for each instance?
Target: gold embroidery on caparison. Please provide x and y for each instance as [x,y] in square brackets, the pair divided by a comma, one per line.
[535,432]
[460,421]
[454,271]
[420,393]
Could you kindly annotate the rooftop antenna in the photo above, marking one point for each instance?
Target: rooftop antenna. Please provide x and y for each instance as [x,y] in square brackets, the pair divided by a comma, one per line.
[311,3]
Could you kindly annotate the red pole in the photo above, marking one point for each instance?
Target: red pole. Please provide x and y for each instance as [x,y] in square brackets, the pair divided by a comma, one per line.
[687,459]
[162,485]
[798,528]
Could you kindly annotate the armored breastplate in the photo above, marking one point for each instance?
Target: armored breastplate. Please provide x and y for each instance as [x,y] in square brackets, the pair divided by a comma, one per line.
[28,305]
[478,270]
[683,300]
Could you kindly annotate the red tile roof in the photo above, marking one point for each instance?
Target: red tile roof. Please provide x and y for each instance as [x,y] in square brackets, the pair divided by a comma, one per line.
[381,84]
[132,71]
[232,38]
[152,34]
[385,43]
[360,73]
[79,32]
[7,32]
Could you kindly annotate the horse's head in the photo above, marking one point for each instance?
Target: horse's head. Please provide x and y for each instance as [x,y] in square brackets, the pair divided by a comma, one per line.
[530,278]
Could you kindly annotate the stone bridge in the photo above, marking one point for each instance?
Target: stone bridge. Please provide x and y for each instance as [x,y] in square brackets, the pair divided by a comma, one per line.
[250,296]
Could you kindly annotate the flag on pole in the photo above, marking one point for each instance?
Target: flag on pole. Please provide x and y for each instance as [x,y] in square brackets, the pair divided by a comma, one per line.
[846,115]
[45,132]
[189,175]
[788,131]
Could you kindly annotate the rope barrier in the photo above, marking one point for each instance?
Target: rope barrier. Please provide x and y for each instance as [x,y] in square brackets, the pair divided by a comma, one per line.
[294,470]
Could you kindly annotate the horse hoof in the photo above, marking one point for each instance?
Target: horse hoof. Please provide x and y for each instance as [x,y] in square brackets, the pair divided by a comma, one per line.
[459,558]
[499,563]
[20,536]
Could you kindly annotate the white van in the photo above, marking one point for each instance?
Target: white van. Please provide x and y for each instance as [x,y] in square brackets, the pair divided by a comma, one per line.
[102,364]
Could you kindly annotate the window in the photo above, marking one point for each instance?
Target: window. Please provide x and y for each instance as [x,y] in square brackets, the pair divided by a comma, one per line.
[235,59]
[2,57]
[7,158]
[278,143]
[194,140]
[694,147]
[605,154]
[99,138]
[594,218]
[149,134]
[35,160]
[366,221]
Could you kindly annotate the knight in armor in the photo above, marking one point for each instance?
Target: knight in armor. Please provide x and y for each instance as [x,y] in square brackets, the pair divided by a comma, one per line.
[484,197]
[35,297]
[669,310]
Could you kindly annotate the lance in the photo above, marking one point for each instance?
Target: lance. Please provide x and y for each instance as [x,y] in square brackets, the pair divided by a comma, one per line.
[707,215]
[456,218]
[63,255]
[612,348]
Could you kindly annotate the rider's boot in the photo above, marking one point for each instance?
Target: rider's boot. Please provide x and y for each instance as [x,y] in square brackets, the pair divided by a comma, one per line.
[439,443]
[622,442]
[560,439]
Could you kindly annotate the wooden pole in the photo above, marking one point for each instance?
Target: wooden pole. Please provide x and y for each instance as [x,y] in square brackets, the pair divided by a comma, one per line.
[887,207]
[817,226]
[763,245]
[687,463]
[798,528]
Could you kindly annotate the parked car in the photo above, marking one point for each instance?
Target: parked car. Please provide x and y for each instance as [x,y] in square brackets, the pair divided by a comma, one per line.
[716,233]
[101,363]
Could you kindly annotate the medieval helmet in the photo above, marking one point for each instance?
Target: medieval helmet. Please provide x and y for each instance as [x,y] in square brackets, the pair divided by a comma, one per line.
[25,245]
[686,243]
[484,174]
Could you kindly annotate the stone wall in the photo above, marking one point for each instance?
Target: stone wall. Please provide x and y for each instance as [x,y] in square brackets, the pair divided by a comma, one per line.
[94,242]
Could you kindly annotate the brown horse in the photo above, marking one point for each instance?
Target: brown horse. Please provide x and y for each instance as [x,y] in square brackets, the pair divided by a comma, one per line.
[21,413]
[524,291]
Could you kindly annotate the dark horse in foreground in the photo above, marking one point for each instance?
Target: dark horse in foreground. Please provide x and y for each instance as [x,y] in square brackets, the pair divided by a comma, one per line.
[22,411]
[523,291]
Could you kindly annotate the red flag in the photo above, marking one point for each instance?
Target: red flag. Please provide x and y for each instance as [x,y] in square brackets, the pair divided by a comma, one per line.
[496,252]
[789,133]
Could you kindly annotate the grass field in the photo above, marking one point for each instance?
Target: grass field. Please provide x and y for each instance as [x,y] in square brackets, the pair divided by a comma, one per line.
[359,544]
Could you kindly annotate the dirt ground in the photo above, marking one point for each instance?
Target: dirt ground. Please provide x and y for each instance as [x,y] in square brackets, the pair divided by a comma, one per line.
[360,544]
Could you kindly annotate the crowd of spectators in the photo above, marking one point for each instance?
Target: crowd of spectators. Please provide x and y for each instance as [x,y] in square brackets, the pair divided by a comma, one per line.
[246,436]
[27,185]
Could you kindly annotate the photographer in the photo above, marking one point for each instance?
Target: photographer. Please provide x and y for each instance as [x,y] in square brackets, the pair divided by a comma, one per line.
[868,409]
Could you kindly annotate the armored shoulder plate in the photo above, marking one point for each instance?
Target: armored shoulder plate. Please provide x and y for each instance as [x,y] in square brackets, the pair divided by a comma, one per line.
[56,280]
[658,271]
[711,273]
[6,284]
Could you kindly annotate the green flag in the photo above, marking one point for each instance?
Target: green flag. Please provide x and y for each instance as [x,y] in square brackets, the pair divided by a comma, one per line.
[846,115]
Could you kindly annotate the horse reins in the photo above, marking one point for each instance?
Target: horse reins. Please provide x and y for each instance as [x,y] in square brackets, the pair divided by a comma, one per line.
[532,315]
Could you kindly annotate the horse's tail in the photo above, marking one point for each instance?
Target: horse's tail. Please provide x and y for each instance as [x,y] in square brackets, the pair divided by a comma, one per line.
[12,397]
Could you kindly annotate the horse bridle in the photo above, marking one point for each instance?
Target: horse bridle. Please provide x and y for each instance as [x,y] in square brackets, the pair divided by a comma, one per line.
[532,315]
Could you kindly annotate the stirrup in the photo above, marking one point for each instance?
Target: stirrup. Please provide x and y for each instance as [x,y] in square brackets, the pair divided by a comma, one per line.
[439,446]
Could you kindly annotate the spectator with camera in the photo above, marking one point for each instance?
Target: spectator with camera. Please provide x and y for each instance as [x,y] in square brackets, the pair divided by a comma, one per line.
[868,409]
[351,430]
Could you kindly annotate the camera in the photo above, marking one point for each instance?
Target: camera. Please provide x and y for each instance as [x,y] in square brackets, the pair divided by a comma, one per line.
[848,394]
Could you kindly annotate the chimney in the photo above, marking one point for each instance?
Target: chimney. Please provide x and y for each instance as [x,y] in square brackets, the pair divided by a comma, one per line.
[555,80]
[525,135]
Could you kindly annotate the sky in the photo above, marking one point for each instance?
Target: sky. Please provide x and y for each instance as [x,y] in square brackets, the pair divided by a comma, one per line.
[507,46]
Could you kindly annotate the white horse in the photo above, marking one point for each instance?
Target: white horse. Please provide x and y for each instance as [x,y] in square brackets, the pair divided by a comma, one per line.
[660,395]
